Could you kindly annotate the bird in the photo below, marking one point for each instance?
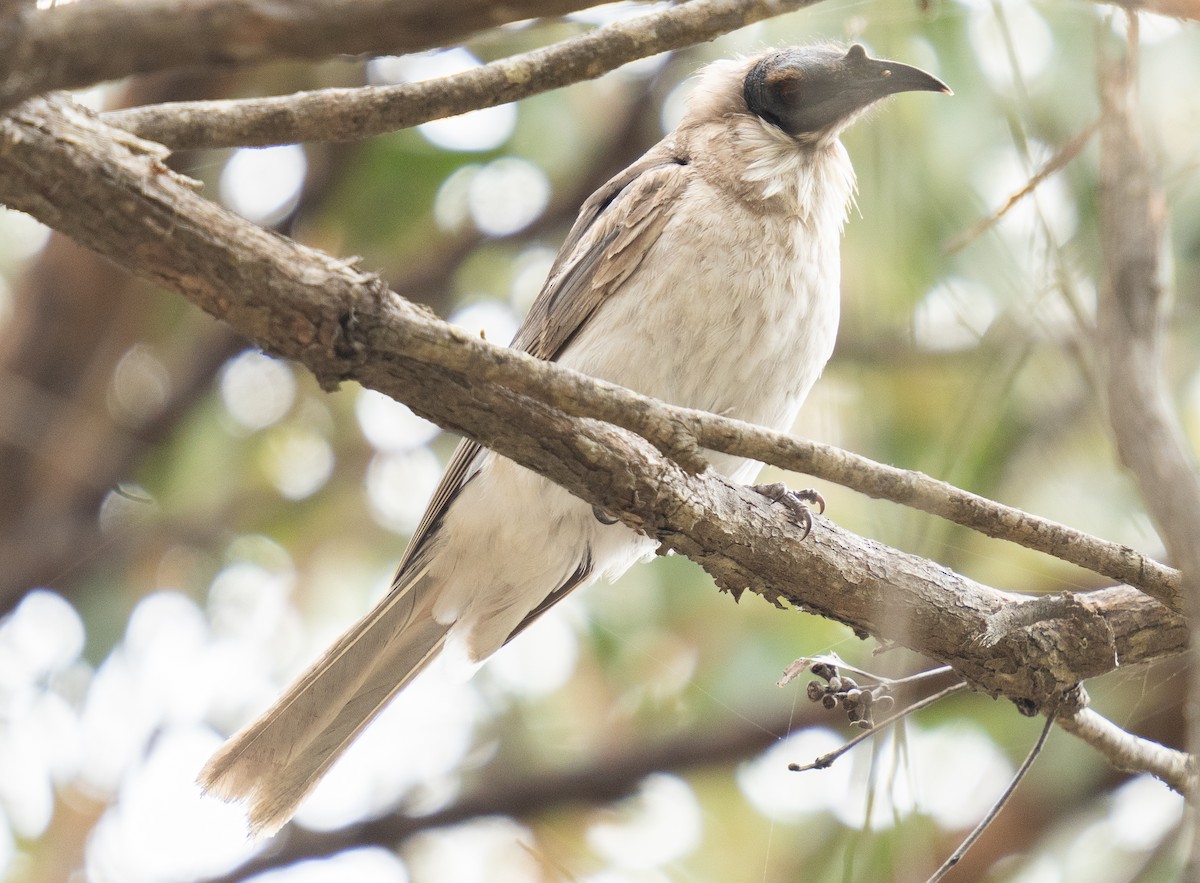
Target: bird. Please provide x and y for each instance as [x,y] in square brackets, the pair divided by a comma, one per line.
[707,275]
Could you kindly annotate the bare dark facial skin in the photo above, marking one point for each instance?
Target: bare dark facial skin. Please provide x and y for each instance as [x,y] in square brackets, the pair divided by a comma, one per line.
[815,90]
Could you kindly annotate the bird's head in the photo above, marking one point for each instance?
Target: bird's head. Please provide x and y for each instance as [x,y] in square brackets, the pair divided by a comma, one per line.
[813,92]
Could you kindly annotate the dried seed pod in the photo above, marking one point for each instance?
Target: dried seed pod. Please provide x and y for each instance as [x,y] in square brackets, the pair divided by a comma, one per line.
[829,701]
[824,670]
[815,691]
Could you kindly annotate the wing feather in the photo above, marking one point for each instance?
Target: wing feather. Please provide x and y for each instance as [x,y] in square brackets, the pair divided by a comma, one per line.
[615,229]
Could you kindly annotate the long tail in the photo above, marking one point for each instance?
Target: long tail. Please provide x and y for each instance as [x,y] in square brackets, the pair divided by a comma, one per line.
[274,762]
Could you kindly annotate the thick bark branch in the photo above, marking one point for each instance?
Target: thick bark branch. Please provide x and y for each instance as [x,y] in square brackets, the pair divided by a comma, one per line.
[111,192]
[349,114]
[79,44]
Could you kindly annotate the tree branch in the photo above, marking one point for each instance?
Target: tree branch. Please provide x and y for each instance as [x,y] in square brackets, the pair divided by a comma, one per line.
[1133,306]
[110,191]
[1131,753]
[529,793]
[1188,9]
[79,44]
[349,114]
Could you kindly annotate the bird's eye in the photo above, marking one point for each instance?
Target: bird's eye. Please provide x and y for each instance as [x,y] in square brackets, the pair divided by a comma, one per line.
[886,73]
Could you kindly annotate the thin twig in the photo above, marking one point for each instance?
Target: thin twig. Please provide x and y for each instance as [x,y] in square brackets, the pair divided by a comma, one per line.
[987,820]
[826,760]
[1131,753]
[800,666]
[349,114]
[919,491]
[1065,154]
[916,678]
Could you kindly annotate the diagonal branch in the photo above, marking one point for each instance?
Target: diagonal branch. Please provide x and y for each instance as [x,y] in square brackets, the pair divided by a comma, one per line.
[111,192]
[1061,159]
[350,114]
[527,793]
[952,861]
[1131,753]
[79,44]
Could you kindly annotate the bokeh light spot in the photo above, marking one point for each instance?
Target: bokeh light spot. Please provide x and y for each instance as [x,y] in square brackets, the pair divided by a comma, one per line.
[140,386]
[452,204]
[507,195]
[477,130]
[263,184]
[44,634]
[21,237]
[399,486]
[661,824]
[954,315]
[986,26]
[543,660]
[389,425]
[257,390]
[495,321]
[298,462]
[365,865]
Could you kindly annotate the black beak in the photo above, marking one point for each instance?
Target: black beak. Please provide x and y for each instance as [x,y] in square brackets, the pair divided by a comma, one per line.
[816,91]
[890,77]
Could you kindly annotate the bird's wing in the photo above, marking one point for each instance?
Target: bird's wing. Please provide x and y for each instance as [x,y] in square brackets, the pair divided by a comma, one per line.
[615,229]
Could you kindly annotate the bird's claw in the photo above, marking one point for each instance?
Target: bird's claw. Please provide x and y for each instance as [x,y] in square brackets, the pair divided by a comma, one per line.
[796,502]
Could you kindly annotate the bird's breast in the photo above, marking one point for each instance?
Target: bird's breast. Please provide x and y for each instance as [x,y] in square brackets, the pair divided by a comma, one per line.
[733,311]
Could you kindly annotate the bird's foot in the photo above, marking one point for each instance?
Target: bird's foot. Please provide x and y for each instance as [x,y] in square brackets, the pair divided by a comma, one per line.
[796,502]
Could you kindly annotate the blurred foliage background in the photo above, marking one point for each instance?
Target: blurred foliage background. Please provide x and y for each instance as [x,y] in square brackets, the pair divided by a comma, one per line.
[185,523]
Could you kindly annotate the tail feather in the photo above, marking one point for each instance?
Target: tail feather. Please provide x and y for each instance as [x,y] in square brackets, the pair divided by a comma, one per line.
[273,763]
